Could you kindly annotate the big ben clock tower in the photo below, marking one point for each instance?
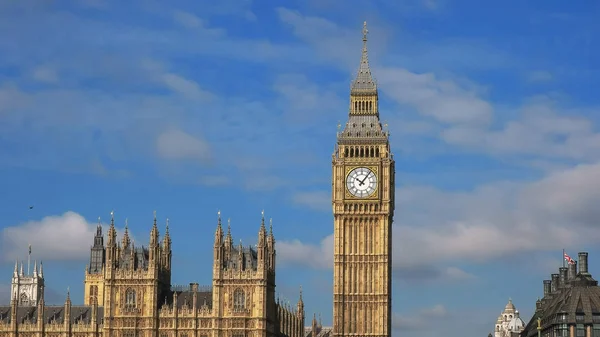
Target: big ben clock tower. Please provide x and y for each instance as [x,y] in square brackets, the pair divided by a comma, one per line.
[363,209]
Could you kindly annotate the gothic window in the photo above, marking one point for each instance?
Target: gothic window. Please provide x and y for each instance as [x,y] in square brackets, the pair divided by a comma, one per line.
[130,298]
[561,330]
[596,330]
[129,334]
[239,299]
[581,331]
[24,298]
[164,335]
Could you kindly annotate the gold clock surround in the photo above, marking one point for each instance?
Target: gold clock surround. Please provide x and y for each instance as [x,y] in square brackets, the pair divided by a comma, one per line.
[374,195]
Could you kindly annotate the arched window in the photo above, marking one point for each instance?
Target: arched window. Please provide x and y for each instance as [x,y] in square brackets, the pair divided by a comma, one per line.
[239,299]
[130,298]
[24,299]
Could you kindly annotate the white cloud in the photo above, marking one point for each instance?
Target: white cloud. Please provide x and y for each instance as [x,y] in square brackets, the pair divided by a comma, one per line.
[186,87]
[542,131]
[493,221]
[57,237]
[421,320]
[444,100]
[61,237]
[297,253]
[176,144]
[318,200]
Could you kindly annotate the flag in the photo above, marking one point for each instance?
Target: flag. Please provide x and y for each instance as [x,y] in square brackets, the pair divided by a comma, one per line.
[569,259]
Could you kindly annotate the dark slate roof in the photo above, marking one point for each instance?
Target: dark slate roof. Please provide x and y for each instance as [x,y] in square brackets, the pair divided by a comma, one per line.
[246,256]
[140,258]
[51,314]
[187,297]
[579,297]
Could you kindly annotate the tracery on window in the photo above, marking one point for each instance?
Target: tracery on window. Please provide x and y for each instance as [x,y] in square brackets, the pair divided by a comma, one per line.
[239,299]
[130,298]
[24,298]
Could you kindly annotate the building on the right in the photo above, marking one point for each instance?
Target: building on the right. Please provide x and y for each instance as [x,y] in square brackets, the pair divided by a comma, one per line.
[570,306]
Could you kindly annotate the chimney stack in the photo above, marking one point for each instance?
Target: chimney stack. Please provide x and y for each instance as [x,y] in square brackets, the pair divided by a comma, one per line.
[554,284]
[572,271]
[562,271]
[547,287]
[583,263]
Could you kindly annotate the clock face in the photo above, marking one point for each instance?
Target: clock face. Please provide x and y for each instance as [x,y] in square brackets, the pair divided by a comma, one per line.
[361,182]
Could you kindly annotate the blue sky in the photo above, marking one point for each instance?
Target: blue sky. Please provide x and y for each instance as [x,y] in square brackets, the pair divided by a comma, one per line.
[192,108]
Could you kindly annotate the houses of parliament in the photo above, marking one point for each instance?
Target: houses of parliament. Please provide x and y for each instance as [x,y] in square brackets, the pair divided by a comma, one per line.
[128,290]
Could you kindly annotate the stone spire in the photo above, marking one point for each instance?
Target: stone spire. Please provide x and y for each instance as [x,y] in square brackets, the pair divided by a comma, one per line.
[262,232]
[154,233]
[364,83]
[112,232]
[219,231]
[167,237]
[228,238]
[126,239]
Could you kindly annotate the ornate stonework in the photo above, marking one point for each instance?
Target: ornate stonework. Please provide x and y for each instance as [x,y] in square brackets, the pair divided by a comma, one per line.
[128,293]
[363,208]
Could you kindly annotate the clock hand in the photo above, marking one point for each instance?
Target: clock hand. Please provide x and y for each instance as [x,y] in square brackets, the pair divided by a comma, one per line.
[363,181]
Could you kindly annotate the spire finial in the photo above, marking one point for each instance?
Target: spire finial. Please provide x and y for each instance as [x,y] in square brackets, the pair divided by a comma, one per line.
[364,83]
[301,292]
[99,220]
[112,215]
[154,212]
[126,225]
[271,226]
[167,227]
[228,226]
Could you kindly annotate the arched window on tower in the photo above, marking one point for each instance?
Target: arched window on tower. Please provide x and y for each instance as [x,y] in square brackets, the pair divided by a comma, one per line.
[130,298]
[24,299]
[239,299]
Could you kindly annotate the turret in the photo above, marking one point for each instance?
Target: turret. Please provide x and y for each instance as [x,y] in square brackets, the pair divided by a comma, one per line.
[228,238]
[166,248]
[67,319]
[218,253]
[154,246]
[271,247]
[97,252]
[154,233]
[219,232]
[261,245]
[111,245]
[300,305]
[40,310]
[125,241]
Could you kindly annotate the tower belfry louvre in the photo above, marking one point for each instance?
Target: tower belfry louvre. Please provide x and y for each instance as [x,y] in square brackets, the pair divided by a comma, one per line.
[363,208]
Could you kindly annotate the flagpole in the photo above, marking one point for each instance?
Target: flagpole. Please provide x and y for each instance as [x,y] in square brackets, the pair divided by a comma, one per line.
[563,258]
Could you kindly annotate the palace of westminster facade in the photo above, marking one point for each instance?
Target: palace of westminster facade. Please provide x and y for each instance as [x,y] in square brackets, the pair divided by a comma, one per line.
[128,291]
